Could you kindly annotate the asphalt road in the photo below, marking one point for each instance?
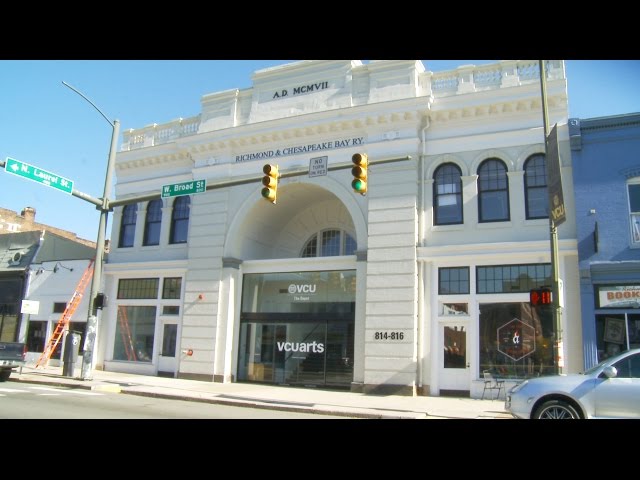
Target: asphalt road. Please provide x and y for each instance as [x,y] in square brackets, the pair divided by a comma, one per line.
[32,401]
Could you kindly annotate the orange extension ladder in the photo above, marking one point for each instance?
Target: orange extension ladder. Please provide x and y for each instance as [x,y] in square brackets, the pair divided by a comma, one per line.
[62,324]
[125,333]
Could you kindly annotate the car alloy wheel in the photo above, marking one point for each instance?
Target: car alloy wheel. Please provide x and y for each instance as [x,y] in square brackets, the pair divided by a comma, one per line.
[556,410]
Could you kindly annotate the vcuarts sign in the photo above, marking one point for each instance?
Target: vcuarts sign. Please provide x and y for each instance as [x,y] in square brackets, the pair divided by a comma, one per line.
[314,347]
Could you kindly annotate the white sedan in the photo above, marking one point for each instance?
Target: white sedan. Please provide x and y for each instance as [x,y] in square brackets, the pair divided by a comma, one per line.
[611,389]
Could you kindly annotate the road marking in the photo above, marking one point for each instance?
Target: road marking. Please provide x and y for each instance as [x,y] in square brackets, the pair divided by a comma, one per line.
[59,391]
[11,390]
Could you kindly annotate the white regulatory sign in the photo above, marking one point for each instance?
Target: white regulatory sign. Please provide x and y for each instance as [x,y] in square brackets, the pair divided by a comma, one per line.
[318,166]
[32,307]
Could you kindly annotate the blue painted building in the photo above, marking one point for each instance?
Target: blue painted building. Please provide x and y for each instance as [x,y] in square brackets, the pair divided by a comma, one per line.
[606,177]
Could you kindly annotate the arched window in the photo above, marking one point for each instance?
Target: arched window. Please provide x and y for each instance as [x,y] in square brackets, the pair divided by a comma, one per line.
[493,191]
[329,243]
[180,220]
[447,195]
[535,187]
[128,225]
[152,223]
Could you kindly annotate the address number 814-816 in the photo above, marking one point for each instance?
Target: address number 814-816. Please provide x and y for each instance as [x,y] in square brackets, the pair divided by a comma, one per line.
[388,336]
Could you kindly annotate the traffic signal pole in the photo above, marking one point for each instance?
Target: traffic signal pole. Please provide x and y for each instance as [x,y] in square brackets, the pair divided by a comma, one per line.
[553,233]
[104,207]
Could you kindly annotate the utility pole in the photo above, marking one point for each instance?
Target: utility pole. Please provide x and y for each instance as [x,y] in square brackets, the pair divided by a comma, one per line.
[92,318]
[553,232]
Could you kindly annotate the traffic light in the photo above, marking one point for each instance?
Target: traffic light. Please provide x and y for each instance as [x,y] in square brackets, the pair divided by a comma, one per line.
[540,296]
[270,182]
[359,172]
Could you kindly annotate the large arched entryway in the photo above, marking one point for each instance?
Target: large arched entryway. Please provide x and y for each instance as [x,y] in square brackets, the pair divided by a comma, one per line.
[297,285]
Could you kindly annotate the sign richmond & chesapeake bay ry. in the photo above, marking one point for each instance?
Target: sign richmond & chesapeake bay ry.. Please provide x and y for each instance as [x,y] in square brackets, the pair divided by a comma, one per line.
[312,147]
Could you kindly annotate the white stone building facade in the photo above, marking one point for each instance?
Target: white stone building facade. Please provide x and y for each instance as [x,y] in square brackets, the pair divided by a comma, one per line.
[412,288]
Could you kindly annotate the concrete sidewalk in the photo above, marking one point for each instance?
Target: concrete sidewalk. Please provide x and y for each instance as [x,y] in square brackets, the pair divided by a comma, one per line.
[306,400]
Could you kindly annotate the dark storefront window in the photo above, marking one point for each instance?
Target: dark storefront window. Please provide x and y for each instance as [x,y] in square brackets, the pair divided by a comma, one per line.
[10,297]
[135,333]
[616,333]
[36,336]
[298,328]
[141,288]
[453,280]
[516,340]
[512,278]
[169,340]
[171,288]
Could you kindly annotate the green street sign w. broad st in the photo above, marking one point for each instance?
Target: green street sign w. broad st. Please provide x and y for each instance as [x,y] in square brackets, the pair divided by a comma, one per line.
[184,188]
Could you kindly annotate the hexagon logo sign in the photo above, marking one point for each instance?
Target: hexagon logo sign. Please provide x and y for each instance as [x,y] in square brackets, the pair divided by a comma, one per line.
[516,339]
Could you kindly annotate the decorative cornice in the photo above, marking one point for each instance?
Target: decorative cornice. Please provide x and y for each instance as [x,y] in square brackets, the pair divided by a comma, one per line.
[494,110]
[631,172]
[264,139]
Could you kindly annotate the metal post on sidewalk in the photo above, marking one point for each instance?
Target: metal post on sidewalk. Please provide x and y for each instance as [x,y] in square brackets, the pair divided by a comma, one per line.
[92,318]
[553,237]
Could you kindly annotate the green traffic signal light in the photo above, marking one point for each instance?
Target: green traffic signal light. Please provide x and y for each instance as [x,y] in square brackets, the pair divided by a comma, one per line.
[270,182]
[359,172]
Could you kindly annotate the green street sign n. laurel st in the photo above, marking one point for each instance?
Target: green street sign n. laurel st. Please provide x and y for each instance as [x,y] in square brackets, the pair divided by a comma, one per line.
[38,175]
[184,188]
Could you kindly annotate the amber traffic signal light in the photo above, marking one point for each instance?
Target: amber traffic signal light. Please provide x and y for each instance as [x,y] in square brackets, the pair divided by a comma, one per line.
[270,182]
[359,172]
[540,296]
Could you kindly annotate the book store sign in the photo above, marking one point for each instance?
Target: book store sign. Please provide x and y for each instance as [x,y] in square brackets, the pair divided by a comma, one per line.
[516,339]
[624,296]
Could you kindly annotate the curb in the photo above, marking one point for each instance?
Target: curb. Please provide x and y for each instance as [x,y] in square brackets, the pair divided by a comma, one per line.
[296,407]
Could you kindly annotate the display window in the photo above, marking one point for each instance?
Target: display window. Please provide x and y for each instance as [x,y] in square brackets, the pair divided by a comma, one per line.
[298,328]
[516,340]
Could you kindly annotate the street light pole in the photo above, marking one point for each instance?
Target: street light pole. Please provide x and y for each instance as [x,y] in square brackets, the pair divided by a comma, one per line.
[553,238]
[92,318]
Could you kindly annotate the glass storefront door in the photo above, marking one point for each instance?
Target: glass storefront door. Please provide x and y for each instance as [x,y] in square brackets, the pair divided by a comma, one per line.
[454,367]
[313,354]
[297,328]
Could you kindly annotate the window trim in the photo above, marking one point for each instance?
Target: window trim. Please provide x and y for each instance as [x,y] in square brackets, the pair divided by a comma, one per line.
[634,224]
[458,194]
[528,188]
[442,269]
[534,283]
[319,235]
[174,219]
[148,222]
[134,208]
[505,190]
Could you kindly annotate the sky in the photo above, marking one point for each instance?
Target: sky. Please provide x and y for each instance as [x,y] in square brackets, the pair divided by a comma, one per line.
[48,125]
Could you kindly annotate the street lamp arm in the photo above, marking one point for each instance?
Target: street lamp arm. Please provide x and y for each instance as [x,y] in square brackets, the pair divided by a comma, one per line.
[92,318]
[92,104]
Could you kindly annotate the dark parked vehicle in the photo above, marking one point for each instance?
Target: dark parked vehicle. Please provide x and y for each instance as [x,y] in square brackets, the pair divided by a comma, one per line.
[12,356]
